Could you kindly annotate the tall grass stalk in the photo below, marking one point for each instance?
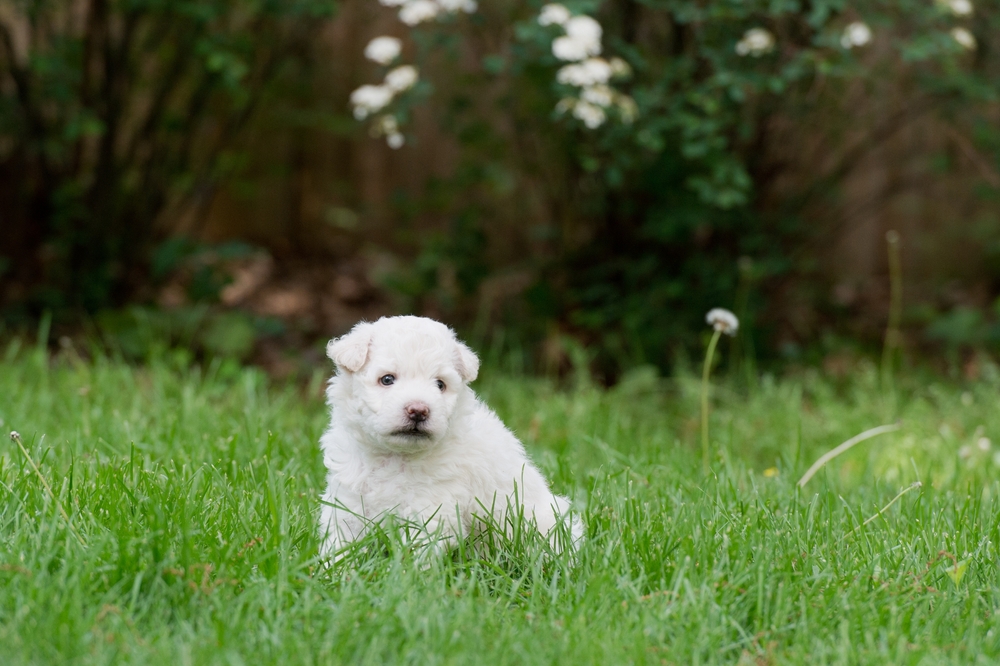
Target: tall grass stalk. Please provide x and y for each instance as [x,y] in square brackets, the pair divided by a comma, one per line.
[892,334]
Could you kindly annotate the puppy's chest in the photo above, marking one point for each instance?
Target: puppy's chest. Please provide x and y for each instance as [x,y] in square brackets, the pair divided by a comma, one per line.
[413,484]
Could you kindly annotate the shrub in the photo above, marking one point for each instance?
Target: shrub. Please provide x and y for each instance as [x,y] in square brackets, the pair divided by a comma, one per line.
[113,112]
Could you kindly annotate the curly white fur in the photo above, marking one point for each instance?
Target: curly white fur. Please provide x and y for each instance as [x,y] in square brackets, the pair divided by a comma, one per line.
[398,443]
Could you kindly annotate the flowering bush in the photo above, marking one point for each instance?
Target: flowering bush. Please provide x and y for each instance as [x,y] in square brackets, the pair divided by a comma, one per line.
[639,140]
[579,43]
[605,168]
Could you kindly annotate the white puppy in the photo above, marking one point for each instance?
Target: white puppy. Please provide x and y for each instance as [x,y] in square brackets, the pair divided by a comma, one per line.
[408,437]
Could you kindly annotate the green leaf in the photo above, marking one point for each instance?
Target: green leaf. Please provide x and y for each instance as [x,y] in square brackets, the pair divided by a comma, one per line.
[957,571]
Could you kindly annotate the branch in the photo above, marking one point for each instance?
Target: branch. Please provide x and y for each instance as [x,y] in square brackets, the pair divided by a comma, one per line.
[987,172]
[22,82]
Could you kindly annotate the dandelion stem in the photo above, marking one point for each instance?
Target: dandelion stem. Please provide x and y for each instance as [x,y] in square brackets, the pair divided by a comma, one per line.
[912,486]
[48,489]
[833,453]
[709,354]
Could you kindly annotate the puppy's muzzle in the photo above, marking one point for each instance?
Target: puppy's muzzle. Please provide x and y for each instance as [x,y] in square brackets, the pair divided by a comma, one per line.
[417,412]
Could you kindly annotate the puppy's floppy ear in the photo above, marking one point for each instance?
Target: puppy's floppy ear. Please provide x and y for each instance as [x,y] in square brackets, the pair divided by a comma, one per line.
[466,362]
[350,351]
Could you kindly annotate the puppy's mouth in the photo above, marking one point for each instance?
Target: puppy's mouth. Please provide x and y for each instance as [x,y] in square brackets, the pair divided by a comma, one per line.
[413,432]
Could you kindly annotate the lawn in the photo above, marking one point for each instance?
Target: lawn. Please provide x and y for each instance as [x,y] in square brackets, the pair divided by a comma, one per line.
[191,494]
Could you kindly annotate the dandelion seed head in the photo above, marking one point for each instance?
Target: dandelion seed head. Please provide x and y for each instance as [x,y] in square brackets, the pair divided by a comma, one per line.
[723,320]
[15,436]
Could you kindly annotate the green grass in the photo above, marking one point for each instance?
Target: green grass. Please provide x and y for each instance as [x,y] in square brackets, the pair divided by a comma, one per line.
[193,494]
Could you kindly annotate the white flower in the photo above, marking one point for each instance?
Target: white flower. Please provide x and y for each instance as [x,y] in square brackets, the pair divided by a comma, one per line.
[583,39]
[586,31]
[452,6]
[592,116]
[553,15]
[573,75]
[569,49]
[964,37]
[856,34]
[402,78]
[628,108]
[598,69]
[619,68]
[565,104]
[756,42]
[383,50]
[395,140]
[418,11]
[587,73]
[599,95]
[957,7]
[370,99]
[386,124]
[723,320]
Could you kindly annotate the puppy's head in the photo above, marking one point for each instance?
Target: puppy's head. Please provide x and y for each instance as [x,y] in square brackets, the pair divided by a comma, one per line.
[402,379]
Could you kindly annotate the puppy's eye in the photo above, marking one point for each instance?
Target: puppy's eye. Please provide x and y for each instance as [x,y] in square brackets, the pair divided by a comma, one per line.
[440,384]
[387,380]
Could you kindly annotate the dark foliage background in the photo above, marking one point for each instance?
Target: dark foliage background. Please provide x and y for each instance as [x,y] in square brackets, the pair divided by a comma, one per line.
[189,172]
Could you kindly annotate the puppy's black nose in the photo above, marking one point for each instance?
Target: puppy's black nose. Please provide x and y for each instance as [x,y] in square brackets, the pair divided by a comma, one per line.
[418,412]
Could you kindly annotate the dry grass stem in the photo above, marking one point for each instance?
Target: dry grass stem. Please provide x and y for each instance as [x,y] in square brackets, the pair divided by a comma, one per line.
[912,486]
[833,453]
[15,436]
